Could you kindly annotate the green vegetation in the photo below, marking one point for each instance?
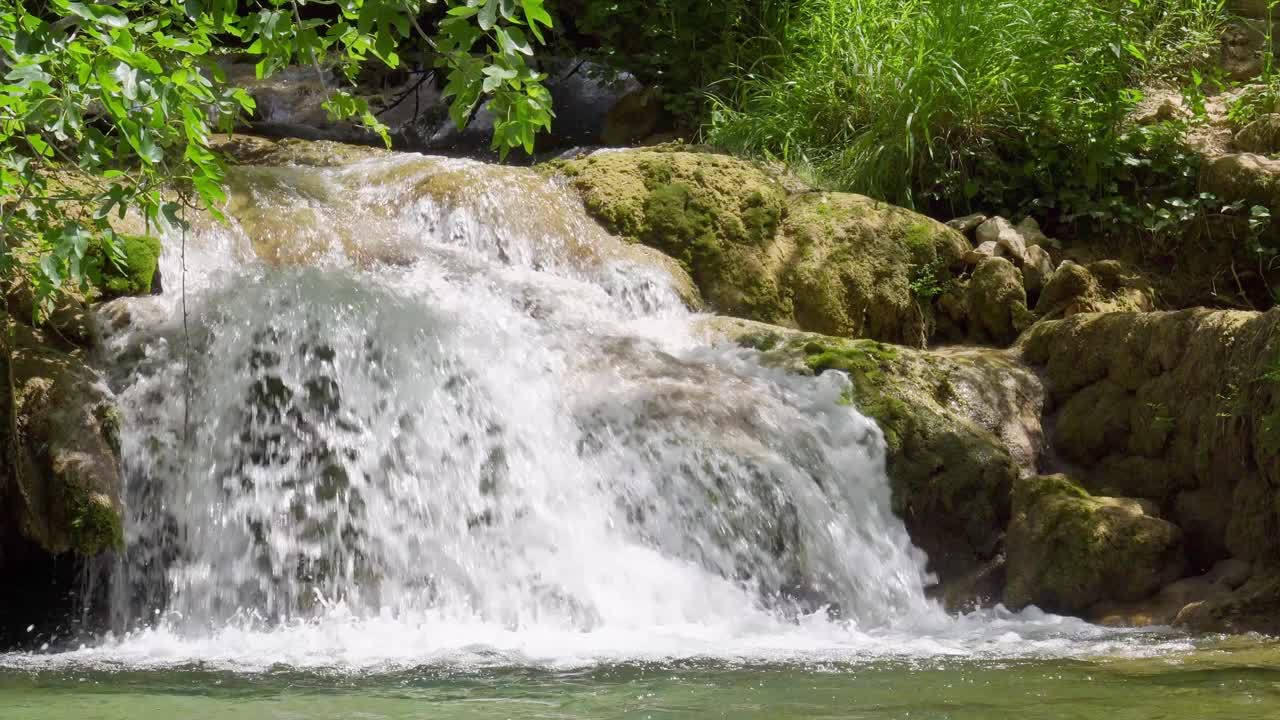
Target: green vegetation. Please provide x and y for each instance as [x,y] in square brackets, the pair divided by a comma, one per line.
[987,103]
[108,107]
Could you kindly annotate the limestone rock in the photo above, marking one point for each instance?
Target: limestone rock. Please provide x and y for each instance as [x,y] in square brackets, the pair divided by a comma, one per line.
[1176,396]
[1187,594]
[1037,270]
[1254,179]
[1032,235]
[997,302]
[1068,550]
[983,251]
[960,425]
[968,223]
[62,483]
[1261,136]
[1253,607]
[999,231]
[835,263]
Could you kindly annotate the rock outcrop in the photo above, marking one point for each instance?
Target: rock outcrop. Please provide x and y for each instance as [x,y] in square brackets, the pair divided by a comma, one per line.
[761,247]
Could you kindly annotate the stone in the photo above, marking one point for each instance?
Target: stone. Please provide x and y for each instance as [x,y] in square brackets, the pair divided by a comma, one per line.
[1253,607]
[1067,286]
[982,252]
[1261,136]
[959,425]
[1068,550]
[1036,271]
[1167,605]
[967,224]
[997,302]
[63,479]
[834,263]
[1176,396]
[999,231]
[1032,235]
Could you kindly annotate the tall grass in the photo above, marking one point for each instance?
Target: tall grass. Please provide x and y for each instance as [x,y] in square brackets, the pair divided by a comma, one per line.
[949,101]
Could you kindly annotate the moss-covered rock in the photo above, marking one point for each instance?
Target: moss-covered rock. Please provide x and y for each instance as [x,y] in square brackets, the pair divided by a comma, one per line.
[1068,550]
[1253,607]
[959,425]
[133,272]
[997,302]
[62,481]
[1187,405]
[758,248]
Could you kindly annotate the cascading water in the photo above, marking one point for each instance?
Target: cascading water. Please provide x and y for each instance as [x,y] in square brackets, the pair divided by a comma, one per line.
[432,411]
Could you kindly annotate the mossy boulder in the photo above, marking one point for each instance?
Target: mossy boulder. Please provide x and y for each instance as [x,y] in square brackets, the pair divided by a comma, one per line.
[1182,408]
[134,271]
[958,425]
[62,478]
[761,248]
[997,302]
[1068,550]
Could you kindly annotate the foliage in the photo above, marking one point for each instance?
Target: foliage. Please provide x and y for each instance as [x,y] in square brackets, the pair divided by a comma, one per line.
[105,104]
[685,48]
[949,105]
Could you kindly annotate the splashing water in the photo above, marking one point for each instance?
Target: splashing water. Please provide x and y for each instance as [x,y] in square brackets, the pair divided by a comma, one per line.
[439,416]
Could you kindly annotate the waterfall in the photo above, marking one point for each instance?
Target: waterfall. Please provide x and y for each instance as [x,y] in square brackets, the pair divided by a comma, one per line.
[433,392]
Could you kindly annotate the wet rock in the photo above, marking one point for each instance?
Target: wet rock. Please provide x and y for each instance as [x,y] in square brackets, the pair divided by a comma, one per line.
[1068,550]
[997,302]
[1172,600]
[1253,607]
[61,442]
[968,223]
[960,425]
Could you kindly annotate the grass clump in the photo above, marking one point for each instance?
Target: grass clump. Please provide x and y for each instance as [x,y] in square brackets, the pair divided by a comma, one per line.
[949,104]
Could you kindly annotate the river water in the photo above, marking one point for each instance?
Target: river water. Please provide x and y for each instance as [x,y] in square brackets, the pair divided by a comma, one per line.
[420,440]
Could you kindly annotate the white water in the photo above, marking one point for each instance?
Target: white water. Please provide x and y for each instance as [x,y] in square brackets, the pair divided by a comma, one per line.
[472,427]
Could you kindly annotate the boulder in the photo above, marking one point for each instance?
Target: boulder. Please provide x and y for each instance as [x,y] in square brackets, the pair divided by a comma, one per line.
[960,425]
[1261,136]
[762,249]
[997,302]
[1253,607]
[1103,286]
[1068,550]
[1032,235]
[967,224]
[1036,271]
[1186,405]
[999,231]
[62,478]
[983,251]
[1172,600]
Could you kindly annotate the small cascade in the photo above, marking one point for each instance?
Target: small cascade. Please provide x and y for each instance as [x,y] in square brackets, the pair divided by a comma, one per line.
[425,390]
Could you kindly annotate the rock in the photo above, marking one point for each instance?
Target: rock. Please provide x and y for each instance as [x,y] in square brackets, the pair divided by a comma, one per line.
[985,250]
[1184,396]
[967,224]
[1032,235]
[632,118]
[1252,178]
[1261,136]
[999,231]
[1068,550]
[1168,604]
[1253,607]
[1068,285]
[62,478]
[134,275]
[1036,271]
[1104,286]
[959,425]
[997,302]
[1167,109]
[835,263]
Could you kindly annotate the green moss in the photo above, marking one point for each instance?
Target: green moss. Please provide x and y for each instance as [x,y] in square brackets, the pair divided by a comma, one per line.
[1069,549]
[131,274]
[94,524]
